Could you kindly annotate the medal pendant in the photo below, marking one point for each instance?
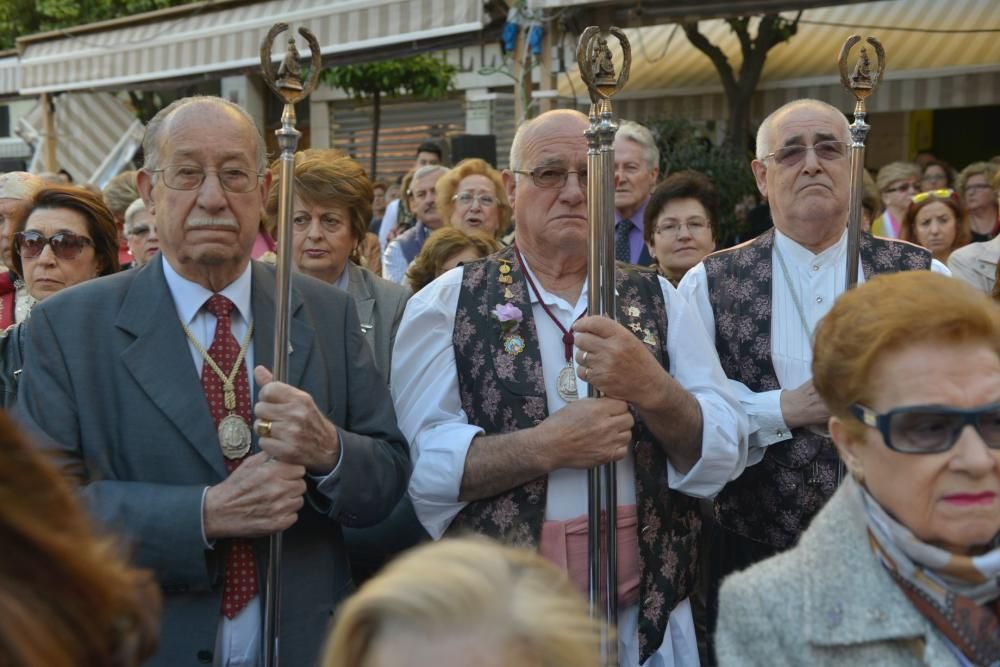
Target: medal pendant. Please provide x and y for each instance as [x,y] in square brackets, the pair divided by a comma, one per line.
[566,384]
[234,437]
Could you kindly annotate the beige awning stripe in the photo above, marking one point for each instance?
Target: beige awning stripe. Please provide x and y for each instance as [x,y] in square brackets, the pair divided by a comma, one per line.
[9,75]
[230,39]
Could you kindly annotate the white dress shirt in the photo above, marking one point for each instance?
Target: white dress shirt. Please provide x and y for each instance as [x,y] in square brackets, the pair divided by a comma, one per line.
[389,220]
[818,279]
[237,642]
[428,406]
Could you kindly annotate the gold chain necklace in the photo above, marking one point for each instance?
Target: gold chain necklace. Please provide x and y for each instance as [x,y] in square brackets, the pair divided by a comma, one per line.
[228,387]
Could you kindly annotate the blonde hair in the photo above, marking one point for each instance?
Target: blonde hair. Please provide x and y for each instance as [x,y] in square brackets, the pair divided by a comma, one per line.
[896,171]
[987,170]
[886,314]
[442,245]
[463,586]
[447,185]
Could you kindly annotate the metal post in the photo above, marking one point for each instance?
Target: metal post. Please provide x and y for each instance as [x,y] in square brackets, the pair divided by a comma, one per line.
[289,87]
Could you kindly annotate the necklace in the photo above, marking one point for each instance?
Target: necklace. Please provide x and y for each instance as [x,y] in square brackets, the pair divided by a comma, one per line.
[234,432]
[566,382]
[793,292]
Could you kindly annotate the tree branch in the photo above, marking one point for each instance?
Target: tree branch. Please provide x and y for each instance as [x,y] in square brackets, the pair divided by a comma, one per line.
[714,53]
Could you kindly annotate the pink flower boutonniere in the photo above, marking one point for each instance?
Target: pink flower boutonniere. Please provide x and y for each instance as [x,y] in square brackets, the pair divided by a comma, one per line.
[509,316]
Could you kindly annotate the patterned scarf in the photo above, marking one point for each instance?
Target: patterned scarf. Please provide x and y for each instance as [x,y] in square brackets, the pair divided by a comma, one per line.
[960,595]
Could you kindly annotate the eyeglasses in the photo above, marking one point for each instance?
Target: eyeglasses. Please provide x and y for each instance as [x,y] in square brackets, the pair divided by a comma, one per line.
[787,156]
[903,187]
[466,199]
[929,429]
[694,226]
[553,177]
[140,230]
[190,177]
[977,186]
[65,245]
[945,193]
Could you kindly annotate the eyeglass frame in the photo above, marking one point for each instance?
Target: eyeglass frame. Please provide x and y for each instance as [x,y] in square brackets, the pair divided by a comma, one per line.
[703,224]
[204,175]
[939,193]
[19,238]
[805,151]
[903,187]
[580,175]
[494,201]
[882,422]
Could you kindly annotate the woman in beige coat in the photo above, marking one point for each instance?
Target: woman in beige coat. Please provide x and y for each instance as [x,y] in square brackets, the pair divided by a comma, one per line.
[902,567]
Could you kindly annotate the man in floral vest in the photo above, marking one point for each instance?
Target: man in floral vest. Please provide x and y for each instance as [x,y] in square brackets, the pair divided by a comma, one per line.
[490,375]
[760,303]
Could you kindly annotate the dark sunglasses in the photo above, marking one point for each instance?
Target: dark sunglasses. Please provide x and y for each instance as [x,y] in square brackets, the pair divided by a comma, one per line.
[65,245]
[929,429]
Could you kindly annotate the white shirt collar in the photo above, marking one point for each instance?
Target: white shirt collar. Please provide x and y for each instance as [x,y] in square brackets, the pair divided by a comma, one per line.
[798,255]
[189,296]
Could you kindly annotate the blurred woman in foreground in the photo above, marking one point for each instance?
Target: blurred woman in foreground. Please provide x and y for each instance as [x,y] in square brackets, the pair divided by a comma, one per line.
[902,566]
[445,249]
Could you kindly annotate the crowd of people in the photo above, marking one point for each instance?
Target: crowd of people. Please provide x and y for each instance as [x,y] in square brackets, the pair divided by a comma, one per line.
[804,476]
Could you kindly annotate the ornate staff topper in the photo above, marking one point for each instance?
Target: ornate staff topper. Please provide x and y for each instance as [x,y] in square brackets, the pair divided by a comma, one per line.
[597,68]
[863,81]
[287,85]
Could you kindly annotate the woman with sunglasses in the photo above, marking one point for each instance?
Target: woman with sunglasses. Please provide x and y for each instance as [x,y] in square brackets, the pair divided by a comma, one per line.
[897,182]
[902,566]
[936,220]
[68,237]
[472,198]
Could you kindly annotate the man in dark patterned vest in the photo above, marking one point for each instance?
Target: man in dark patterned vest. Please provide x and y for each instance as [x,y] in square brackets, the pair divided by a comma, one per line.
[491,362]
[760,303]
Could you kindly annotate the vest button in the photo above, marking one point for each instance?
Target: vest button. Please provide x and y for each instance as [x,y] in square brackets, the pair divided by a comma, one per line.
[205,657]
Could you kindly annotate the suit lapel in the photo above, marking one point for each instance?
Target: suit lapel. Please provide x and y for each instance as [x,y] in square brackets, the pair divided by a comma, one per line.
[160,351]
[300,332]
[359,289]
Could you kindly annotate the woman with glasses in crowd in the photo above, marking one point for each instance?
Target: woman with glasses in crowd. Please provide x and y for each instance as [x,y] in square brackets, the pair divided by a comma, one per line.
[679,226]
[471,197]
[976,186]
[936,221]
[140,232]
[68,237]
[897,182]
[937,175]
[902,566]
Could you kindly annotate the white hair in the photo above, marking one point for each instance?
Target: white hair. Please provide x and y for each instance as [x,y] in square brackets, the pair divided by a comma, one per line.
[766,128]
[152,142]
[640,134]
[133,209]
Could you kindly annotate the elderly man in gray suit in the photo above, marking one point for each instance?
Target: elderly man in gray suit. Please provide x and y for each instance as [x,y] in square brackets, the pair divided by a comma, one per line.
[142,384]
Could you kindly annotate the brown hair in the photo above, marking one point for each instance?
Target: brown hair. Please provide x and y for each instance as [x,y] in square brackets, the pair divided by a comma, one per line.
[987,170]
[119,193]
[470,586]
[439,247]
[963,232]
[885,315]
[447,186]
[100,223]
[681,185]
[67,597]
[325,178]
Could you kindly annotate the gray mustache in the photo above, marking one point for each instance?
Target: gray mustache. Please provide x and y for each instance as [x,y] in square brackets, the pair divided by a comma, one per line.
[224,223]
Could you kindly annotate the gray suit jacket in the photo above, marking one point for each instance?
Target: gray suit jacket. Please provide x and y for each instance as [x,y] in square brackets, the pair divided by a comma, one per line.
[111,382]
[380,308]
[828,601]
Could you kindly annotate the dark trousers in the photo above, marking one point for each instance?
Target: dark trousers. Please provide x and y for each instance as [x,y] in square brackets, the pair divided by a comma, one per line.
[728,553]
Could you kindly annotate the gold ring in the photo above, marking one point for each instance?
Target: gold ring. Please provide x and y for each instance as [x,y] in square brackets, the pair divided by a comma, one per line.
[586,373]
[583,358]
[264,428]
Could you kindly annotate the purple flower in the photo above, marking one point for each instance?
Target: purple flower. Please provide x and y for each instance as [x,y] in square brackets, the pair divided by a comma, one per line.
[508,312]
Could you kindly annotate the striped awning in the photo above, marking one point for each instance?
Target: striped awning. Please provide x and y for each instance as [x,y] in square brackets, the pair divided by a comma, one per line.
[229,39]
[940,54]
[95,135]
[9,76]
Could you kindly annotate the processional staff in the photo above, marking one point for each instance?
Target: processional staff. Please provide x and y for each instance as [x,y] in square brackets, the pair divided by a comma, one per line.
[598,73]
[860,83]
[288,86]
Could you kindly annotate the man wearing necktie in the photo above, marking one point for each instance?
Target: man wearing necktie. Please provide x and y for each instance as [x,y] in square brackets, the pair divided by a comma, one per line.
[150,405]
[637,169]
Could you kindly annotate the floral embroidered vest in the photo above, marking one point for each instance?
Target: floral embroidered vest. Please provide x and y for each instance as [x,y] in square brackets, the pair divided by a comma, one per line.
[504,392]
[774,501]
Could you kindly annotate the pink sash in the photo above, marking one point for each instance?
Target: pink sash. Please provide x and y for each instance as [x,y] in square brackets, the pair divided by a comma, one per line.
[565,544]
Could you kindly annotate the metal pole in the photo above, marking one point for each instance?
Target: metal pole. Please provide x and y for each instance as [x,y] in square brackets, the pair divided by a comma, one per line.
[860,83]
[290,89]
[597,71]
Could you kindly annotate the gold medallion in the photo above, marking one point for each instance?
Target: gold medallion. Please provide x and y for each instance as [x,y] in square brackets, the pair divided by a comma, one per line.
[234,437]
[507,294]
[505,279]
[504,268]
[566,384]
